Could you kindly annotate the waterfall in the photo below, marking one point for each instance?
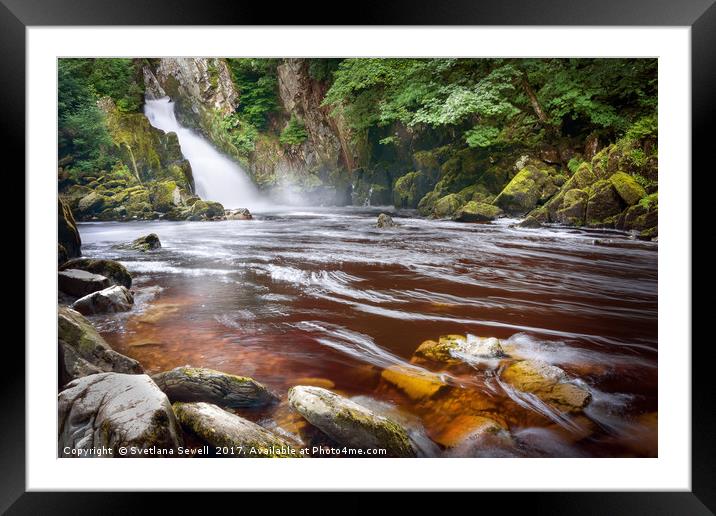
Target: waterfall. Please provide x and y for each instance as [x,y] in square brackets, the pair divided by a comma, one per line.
[216,177]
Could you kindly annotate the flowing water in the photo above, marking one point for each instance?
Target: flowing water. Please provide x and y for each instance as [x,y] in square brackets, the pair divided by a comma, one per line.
[322,296]
[216,177]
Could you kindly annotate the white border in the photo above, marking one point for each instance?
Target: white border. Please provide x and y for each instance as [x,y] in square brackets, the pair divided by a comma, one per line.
[670,471]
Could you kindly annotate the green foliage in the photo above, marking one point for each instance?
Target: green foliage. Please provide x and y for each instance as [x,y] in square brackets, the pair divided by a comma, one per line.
[82,130]
[294,133]
[322,69]
[258,89]
[646,127]
[495,102]
[573,164]
[650,200]
[242,134]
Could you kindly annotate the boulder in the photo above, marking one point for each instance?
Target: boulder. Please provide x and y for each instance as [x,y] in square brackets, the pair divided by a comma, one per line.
[238,214]
[416,383]
[447,206]
[103,412]
[452,349]
[573,209]
[409,189]
[348,423]
[477,212]
[83,351]
[114,271]
[76,282]
[530,222]
[112,299]
[206,210]
[200,384]
[530,187]
[628,189]
[218,427]
[67,235]
[549,383]
[92,204]
[146,243]
[603,203]
[385,221]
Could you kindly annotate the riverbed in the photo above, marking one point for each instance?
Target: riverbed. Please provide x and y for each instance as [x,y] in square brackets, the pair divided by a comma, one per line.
[314,295]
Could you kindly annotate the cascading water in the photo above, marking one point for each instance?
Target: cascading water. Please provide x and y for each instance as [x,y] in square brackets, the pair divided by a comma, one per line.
[216,177]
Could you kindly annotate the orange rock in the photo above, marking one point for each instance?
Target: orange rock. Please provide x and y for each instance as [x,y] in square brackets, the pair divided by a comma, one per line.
[466,426]
[416,383]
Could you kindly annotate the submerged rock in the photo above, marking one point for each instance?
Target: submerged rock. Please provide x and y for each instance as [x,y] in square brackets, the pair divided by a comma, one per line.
[83,351]
[416,383]
[549,383]
[348,423]
[457,348]
[218,427]
[110,410]
[200,384]
[76,282]
[113,299]
[146,243]
[238,214]
[114,271]
[385,221]
[465,427]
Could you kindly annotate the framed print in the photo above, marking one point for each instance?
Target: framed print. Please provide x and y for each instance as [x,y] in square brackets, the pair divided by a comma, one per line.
[310,247]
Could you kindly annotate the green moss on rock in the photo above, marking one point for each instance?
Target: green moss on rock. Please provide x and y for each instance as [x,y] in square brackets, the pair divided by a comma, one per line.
[627,188]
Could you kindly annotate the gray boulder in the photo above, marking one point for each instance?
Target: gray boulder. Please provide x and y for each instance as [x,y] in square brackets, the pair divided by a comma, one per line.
[83,351]
[76,282]
[348,423]
[102,412]
[200,384]
[112,299]
[115,272]
[218,427]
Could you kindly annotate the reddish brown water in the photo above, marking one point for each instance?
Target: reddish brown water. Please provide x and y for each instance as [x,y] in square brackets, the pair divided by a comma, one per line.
[324,294]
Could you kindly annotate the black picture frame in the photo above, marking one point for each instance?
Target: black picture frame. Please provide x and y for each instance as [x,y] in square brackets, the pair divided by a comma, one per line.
[700,15]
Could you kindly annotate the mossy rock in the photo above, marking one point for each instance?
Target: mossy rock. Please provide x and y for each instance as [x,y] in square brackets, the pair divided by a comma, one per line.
[189,384]
[627,188]
[530,187]
[92,204]
[447,207]
[477,212]
[206,210]
[427,203]
[217,427]
[165,196]
[574,207]
[348,423]
[409,189]
[114,271]
[604,202]
[146,243]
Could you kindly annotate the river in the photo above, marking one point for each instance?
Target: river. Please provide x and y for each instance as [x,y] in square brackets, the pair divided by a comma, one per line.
[303,294]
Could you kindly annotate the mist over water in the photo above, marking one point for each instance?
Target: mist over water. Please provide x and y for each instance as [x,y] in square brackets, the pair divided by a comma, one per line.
[216,177]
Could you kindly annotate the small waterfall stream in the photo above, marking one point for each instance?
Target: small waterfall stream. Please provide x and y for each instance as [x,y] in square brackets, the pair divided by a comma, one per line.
[217,178]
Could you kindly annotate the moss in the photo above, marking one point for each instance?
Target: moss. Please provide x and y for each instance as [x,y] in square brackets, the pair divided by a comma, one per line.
[408,190]
[477,212]
[603,202]
[530,187]
[573,208]
[627,188]
[447,206]
[650,201]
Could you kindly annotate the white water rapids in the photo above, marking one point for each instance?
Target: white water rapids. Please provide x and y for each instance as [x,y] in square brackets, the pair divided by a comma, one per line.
[216,177]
